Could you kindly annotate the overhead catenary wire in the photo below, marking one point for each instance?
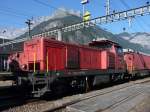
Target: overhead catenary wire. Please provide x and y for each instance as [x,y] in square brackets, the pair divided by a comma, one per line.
[48,5]
[11,14]
[42,3]
[14,12]
[127,7]
[130,19]
[142,21]
[140,24]
[125,4]
[51,6]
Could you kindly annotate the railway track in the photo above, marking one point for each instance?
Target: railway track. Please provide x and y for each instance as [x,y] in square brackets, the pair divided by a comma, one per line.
[63,103]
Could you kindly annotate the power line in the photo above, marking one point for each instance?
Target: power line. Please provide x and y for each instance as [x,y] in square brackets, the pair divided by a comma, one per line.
[12,20]
[47,5]
[130,19]
[50,6]
[20,12]
[42,3]
[12,11]
[125,4]
[140,23]
[147,3]
[12,14]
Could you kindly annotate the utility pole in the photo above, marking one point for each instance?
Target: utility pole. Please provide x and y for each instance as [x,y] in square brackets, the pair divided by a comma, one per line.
[107,7]
[130,20]
[59,36]
[84,2]
[83,9]
[29,23]
[3,38]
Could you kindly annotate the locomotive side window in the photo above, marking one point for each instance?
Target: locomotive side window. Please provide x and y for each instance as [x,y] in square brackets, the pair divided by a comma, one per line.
[119,50]
[37,66]
[103,45]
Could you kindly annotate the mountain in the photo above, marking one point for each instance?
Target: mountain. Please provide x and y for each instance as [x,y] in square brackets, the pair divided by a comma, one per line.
[82,36]
[140,38]
[11,32]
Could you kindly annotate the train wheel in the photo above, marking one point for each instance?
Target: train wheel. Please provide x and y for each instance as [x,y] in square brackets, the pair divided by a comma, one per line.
[87,88]
[111,78]
[88,83]
[59,88]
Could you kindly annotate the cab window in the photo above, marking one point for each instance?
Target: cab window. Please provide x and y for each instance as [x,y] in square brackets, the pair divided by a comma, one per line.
[119,50]
[103,45]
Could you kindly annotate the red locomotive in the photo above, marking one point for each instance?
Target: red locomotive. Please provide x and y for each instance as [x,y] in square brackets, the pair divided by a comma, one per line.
[48,64]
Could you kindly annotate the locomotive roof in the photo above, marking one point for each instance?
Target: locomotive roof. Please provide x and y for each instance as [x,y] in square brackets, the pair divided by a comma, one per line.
[34,40]
[61,42]
[104,42]
[50,39]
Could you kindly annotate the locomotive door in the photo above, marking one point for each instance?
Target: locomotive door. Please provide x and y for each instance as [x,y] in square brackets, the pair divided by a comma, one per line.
[34,55]
[129,63]
[55,58]
[72,57]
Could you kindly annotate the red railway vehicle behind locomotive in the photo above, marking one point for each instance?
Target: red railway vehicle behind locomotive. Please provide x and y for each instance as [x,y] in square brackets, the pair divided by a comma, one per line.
[138,64]
[51,65]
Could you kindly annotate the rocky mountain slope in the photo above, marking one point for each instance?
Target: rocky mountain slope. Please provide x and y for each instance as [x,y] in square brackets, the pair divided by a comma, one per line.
[141,38]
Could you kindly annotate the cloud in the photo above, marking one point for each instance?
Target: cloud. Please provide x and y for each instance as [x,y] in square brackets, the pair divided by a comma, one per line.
[12,32]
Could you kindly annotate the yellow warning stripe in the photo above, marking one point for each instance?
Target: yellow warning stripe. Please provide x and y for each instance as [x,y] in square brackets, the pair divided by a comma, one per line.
[47,62]
[34,60]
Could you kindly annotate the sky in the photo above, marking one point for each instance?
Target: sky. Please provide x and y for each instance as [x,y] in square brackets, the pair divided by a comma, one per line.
[14,13]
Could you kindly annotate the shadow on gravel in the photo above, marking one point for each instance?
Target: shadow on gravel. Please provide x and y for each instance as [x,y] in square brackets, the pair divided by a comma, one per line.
[12,96]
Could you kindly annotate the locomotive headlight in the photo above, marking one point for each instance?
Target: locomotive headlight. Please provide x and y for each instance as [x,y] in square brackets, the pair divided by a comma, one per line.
[24,66]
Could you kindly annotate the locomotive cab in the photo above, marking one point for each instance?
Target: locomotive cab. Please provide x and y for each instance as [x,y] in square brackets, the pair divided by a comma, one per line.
[107,45]
[115,51]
